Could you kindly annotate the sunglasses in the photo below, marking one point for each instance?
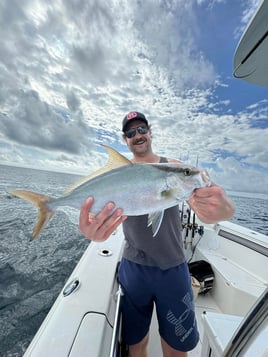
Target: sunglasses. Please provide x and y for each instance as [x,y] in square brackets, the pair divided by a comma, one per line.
[132,131]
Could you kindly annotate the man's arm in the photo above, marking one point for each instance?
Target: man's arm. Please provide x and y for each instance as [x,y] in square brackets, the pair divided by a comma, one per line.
[211,204]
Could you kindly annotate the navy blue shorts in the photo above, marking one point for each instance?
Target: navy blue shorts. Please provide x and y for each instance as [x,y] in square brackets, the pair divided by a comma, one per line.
[171,292]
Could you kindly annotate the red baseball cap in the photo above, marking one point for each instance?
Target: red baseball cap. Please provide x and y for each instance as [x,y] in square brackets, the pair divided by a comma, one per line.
[133,116]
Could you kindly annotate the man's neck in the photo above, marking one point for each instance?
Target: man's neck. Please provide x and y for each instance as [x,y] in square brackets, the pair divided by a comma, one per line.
[149,158]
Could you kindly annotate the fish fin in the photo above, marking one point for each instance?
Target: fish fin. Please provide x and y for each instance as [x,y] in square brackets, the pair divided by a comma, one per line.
[168,193]
[115,161]
[39,200]
[155,220]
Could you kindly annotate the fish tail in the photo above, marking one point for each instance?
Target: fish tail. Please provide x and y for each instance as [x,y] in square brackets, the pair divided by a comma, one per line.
[40,201]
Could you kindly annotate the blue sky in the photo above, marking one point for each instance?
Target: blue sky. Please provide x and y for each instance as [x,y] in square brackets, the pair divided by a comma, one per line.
[70,71]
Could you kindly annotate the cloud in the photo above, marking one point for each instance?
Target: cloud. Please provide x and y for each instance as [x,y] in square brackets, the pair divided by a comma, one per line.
[70,70]
[72,101]
[33,123]
[234,176]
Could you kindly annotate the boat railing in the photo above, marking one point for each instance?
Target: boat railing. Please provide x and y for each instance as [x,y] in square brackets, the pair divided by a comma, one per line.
[251,326]
[116,325]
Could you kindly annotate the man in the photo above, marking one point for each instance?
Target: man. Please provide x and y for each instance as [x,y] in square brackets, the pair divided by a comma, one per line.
[153,269]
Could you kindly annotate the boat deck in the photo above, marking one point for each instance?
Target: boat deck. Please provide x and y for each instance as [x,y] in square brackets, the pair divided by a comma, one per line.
[80,324]
[203,303]
[238,278]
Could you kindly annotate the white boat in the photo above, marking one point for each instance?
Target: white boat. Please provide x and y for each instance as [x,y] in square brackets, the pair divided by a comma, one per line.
[85,319]
[231,302]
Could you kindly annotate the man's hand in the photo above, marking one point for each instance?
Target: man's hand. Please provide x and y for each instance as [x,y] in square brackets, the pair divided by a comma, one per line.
[101,226]
[211,204]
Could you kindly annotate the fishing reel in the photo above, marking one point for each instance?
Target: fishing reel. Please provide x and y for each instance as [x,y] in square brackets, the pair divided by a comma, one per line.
[189,227]
[188,222]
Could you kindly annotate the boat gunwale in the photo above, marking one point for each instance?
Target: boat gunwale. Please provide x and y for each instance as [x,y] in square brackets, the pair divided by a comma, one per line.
[259,248]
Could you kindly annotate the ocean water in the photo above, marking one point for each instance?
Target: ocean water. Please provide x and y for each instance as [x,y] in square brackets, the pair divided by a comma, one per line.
[33,273]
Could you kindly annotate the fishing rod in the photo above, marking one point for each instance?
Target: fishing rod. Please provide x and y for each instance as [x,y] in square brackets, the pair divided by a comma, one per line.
[193,226]
[188,221]
[182,209]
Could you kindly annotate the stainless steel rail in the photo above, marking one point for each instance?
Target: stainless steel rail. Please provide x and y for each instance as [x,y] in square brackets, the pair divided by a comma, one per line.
[116,324]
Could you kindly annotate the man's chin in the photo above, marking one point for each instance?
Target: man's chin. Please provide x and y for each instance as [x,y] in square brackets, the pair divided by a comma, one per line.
[140,149]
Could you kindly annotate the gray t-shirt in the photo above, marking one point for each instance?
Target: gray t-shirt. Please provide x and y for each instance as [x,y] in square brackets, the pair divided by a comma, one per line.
[165,250]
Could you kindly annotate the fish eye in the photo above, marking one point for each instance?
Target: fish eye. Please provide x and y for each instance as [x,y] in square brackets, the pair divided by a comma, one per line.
[187,172]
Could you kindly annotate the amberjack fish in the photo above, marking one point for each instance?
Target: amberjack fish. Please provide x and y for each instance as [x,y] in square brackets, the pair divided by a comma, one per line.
[138,189]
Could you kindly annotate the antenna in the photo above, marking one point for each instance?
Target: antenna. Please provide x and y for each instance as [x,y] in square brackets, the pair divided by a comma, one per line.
[197,158]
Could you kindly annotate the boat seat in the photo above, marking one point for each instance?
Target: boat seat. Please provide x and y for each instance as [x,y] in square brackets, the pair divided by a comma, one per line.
[219,329]
[235,289]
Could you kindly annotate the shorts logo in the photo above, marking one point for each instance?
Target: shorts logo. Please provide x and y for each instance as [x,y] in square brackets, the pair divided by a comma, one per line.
[132,115]
[179,324]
